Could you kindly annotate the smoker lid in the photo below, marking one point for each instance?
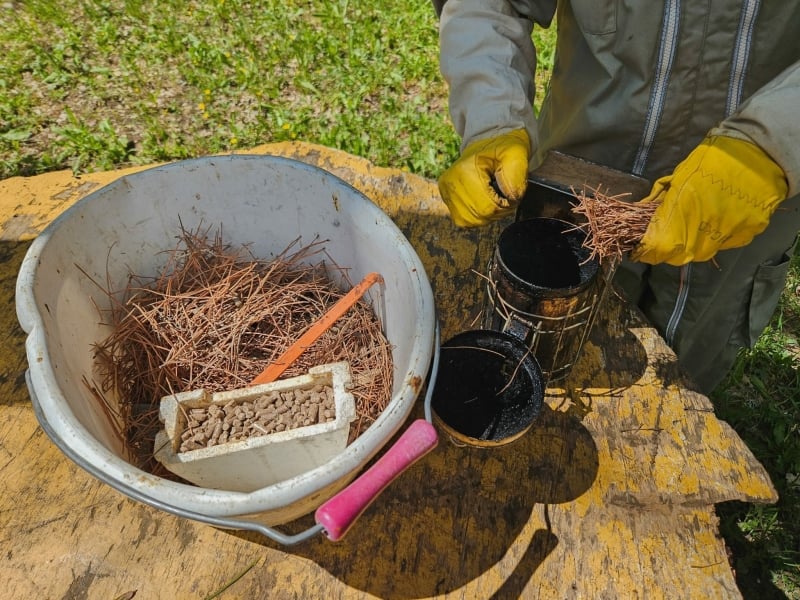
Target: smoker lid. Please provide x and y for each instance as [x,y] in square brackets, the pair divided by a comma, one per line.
[489,388]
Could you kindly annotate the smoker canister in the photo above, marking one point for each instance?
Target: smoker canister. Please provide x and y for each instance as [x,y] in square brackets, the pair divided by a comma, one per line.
[543,288]
[489,389]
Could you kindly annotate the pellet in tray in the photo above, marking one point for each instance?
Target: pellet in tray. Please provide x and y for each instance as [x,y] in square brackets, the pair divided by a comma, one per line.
[269,413]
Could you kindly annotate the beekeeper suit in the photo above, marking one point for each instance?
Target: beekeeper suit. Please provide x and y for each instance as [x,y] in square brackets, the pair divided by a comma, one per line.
[702,98]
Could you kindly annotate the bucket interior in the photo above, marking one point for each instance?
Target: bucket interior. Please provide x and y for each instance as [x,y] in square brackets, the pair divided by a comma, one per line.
[489,388]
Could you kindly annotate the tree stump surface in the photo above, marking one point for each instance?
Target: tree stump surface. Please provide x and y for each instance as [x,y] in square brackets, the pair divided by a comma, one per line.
[610,495]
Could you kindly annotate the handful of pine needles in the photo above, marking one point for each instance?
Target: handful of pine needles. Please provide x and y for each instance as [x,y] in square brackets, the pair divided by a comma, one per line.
[215,316]
[614,225]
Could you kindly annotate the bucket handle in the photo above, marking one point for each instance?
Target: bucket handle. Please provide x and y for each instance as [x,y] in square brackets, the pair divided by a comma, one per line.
[338,514]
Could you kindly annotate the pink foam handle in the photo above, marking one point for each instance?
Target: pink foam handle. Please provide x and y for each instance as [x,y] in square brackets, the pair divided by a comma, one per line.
[338,514]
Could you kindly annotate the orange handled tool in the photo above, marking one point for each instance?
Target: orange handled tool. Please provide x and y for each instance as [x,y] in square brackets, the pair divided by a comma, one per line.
[276,368]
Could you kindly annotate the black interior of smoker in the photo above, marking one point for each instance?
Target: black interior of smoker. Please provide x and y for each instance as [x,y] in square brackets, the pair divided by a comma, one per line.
[488,387]
[546,253]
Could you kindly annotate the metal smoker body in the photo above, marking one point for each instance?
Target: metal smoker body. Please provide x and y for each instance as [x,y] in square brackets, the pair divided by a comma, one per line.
[554,315]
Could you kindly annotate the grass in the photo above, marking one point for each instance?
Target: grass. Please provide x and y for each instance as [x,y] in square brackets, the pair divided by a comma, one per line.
[761,400]
[97,84]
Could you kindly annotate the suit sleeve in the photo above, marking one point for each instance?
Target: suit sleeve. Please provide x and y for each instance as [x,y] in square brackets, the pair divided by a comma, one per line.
[769,118]
[488,60]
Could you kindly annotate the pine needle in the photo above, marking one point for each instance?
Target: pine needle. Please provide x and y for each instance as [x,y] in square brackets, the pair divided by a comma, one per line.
[614,225]
[215,316]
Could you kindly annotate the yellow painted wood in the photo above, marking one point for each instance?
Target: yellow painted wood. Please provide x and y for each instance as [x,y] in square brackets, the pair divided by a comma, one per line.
[610,495]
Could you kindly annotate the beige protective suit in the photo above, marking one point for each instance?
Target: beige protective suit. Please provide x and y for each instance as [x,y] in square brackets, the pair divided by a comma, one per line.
[636,85]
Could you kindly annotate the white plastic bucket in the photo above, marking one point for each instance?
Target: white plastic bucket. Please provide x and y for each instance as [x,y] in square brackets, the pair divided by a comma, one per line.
[125,227]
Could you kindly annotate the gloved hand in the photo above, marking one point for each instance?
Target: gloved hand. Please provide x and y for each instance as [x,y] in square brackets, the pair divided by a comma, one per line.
[466,186]
[721,196]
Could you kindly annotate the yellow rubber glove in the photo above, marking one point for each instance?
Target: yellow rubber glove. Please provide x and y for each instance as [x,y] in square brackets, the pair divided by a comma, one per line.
[466,186]
[721,196]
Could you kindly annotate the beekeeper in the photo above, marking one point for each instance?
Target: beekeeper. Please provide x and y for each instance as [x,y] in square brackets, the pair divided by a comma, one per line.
[702,98]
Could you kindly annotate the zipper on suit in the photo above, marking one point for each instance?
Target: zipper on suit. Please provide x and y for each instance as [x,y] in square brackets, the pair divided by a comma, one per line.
[741,54]
[739,62]
[667,49]
[658,93]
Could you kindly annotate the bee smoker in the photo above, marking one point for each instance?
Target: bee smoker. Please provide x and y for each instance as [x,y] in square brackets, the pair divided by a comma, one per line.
[543,287]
